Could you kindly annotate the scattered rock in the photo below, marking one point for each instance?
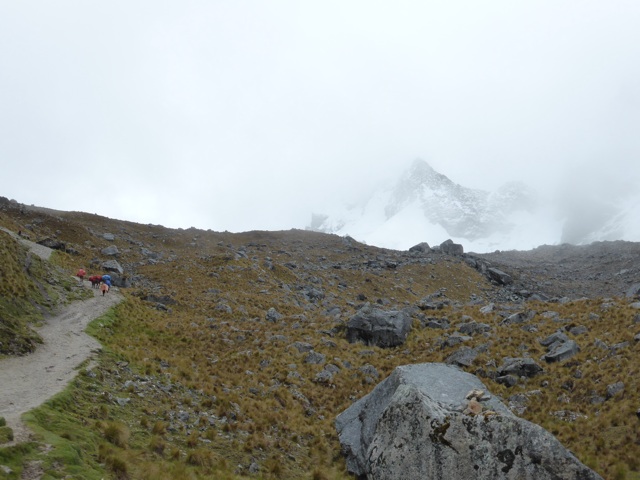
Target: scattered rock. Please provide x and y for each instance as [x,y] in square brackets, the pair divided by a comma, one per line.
[561,351]
[518,318]
[578,330]
[614,389]
[487,309]
[520,367]
[435,322]
[273,315]
[374,326]
[463,357]
[112,266]
[52,243]
[111,251]
[422,247]
[315,358]
[451,248]
[553,339]
[473,328]
[499,276]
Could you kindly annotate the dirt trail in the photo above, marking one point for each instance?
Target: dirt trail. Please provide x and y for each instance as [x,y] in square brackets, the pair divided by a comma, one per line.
[26,382]
[40,250]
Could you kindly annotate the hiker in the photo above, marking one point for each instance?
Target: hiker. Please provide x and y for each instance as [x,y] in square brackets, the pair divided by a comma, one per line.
[81,273]
[107,279]
[104,288]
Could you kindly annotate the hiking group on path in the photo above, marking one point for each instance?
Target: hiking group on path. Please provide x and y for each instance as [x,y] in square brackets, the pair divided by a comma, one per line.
[103,282]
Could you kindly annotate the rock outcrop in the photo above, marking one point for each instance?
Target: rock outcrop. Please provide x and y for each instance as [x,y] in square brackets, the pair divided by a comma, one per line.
[451,248]
[436,421]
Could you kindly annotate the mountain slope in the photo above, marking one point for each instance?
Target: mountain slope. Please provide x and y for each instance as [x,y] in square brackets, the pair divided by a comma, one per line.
[229,359]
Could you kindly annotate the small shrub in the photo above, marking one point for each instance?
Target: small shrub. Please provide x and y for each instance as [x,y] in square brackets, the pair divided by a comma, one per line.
[157,445]
[159,428]
[620,473]
[118,466]
[175,454]
[6,434]
[201,458]
[193,440]
[116,433]
[318,475]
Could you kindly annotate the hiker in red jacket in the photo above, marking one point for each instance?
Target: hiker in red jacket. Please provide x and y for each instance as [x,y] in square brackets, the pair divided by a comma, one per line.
[81,273]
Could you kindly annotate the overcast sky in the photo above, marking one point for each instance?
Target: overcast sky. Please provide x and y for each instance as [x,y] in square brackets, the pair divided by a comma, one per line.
[240,115]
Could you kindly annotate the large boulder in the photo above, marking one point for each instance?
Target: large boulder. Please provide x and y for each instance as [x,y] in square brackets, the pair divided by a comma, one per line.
[119,280]
[436,421]
[451,248]
[561,351]
[112,266]
[52,243]
[521,367]
[422,247]
[111,250]
[374,326]
[499,276]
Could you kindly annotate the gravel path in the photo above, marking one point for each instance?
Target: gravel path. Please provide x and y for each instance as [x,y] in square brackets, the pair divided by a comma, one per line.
[26,382]
[40,250]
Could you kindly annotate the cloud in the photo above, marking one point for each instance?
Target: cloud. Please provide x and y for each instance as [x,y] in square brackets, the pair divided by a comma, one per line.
[246,115]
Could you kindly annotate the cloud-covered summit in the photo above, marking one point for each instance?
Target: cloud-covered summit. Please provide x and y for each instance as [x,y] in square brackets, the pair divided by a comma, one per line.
[425,205]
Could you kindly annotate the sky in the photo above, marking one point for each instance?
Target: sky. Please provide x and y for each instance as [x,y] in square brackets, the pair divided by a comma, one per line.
[251,115]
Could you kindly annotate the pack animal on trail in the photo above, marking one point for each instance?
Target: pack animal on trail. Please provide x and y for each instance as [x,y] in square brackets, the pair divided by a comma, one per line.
[95,280]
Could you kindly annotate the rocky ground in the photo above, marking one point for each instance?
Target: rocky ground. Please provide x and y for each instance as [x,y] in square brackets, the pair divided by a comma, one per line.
[601,269]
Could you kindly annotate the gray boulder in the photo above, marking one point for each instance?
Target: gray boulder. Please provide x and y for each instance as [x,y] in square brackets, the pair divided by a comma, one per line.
[422,247]
[553,339]
[420,422]
[111,250]
[52,243]
[463,357]
[614,389]
[473,328]
[499,276]
[521,367]
[561,351]
[451,248]
[374,326]
[112,266]
[120,280]
[518,318]
[273,315]
[150,254]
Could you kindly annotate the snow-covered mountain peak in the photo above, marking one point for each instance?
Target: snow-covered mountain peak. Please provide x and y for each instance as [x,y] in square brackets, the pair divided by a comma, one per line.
[423,205]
